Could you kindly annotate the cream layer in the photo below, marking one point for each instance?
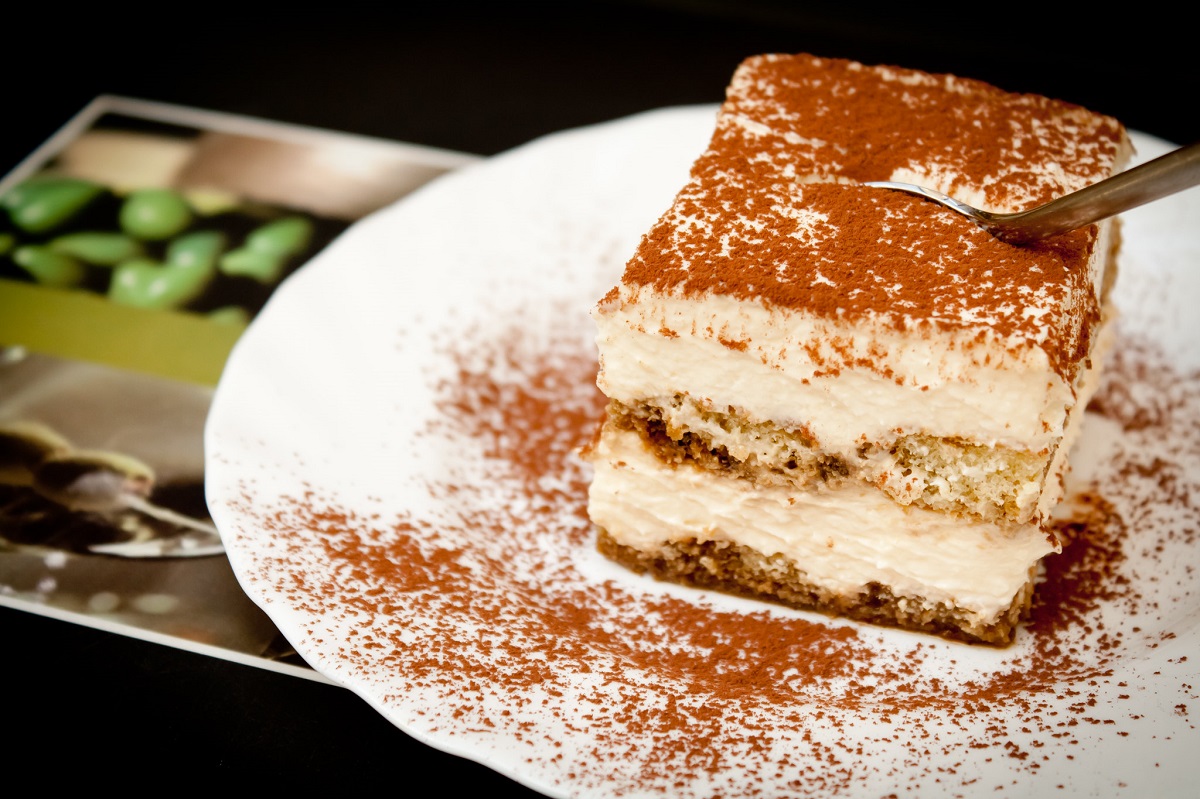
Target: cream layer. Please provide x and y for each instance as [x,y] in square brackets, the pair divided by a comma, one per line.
[845,383]
[1033,494]
[842,538]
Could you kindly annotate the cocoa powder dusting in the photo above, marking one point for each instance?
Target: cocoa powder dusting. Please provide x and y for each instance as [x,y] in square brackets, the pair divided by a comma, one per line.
[836,118]
[899,260]
[509,634]
[775,213]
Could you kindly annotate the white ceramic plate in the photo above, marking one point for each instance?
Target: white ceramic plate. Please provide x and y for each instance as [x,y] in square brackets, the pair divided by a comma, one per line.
[391,465]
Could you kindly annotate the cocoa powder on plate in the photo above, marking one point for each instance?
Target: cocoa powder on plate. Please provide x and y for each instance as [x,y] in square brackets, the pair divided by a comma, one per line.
[492,613]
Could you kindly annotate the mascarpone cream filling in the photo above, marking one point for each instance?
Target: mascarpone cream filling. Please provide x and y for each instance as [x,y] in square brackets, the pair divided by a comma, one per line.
[842,539]
[794,368]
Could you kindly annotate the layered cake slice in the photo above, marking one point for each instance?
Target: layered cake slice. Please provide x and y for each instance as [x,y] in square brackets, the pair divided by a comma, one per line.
[846,398]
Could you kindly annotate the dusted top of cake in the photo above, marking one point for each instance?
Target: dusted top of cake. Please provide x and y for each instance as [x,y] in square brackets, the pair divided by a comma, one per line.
[839,119]
[774,211]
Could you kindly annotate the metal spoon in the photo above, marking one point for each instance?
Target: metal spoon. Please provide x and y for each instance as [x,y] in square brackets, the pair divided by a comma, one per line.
[1167,174]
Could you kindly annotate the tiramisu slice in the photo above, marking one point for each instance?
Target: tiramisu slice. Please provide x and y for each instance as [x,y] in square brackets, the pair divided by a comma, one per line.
[846,398]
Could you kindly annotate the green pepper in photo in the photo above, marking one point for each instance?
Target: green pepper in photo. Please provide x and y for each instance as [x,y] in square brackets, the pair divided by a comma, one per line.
[268,248]
[144,283]
[199,250]
[155,214]
[49,268]
[229,315]
[288,236]
[98,247]
[41,204]
[265,267]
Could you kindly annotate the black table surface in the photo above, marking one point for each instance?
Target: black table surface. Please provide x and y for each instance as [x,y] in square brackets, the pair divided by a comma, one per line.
[479,79]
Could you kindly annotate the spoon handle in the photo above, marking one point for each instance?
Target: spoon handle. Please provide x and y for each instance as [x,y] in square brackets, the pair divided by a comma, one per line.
[1167,174]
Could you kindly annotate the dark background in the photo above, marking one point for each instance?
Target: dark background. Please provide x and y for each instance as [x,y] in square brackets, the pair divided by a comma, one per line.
[113,711]
[483,78]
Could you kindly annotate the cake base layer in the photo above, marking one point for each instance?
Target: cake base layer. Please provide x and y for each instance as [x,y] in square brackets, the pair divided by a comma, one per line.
[741,571]
[838,547]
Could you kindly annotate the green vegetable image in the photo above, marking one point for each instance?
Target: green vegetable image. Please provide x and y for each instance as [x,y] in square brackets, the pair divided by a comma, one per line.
[263,267]
[229,315]
[168,248]
[43,203]
[267,249]
[198,251]
[49,268]
[287,236]
[97,247]
[190,266]
[155,214]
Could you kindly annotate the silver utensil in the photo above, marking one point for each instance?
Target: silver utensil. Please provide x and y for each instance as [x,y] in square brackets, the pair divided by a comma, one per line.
[184,545]
[44,477]
[1167,174]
